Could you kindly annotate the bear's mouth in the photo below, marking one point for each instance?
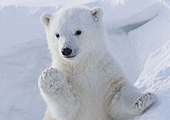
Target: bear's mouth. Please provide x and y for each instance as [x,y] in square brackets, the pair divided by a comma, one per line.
[70,56]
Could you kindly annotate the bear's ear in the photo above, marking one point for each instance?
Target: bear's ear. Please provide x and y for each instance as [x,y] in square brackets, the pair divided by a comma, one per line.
[45,19]
[96,13]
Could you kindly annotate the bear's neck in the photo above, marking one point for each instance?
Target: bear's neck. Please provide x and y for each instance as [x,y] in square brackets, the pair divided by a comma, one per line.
[92,61]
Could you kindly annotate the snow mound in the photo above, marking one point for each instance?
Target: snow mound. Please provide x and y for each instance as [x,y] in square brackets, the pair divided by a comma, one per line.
[24,56]
[133,39]
[156,78]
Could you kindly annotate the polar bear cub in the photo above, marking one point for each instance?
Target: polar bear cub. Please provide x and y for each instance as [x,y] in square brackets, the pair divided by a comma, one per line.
[85,82]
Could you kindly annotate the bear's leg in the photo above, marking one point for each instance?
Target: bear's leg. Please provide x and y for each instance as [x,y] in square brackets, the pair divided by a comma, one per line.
[56,92]
[129,102]
[48,115]
[132,102]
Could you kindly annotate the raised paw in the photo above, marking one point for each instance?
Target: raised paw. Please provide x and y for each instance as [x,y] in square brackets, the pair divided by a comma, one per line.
[145,102]
[51,80]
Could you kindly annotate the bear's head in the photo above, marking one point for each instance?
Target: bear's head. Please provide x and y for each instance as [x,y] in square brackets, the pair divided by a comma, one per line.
[73,33]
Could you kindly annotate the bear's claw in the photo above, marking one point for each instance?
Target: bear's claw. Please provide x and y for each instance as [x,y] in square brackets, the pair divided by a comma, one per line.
[145,102]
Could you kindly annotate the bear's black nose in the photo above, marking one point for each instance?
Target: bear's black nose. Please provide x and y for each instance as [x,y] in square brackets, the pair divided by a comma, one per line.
[66,51]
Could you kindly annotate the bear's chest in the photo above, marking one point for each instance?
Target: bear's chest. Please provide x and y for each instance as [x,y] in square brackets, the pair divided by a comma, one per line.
[90,83]
[90,89]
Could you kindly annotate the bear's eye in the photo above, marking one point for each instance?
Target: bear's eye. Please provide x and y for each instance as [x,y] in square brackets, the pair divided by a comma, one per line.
[57,35]
[78,32]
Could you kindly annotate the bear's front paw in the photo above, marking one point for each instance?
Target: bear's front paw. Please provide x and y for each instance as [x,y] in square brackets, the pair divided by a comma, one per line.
[51,81]
[145,102]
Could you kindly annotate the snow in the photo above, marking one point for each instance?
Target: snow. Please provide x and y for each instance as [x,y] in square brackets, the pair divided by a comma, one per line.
[138,32]
[155,78]
[43,2]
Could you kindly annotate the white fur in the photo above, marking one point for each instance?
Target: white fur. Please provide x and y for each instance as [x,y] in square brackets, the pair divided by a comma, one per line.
[91,85]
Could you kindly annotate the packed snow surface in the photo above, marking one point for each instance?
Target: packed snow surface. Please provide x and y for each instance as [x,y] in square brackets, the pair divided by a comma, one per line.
[138,31]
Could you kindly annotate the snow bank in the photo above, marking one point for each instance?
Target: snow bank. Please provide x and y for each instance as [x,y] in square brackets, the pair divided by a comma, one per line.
[156,78]
[133,39]
[23,56]
[139,35]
